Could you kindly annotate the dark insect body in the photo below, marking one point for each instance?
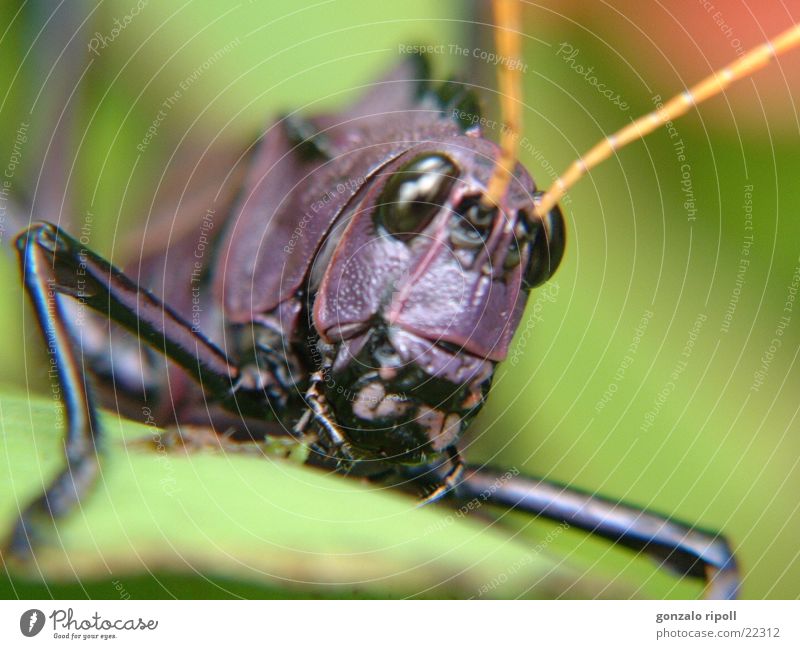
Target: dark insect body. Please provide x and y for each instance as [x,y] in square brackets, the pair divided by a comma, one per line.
[357,292]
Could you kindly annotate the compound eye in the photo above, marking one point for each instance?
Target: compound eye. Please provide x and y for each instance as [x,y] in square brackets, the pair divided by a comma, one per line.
[471,224]
[415,193]
[546,248]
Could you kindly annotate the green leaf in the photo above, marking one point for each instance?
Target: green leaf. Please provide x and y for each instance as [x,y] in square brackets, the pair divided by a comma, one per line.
[244,525]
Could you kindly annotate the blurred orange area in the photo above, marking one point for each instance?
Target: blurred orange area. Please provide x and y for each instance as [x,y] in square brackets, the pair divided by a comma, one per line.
[675,43]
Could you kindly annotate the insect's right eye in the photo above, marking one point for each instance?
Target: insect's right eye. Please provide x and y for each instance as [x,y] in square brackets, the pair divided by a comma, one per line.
[415,193]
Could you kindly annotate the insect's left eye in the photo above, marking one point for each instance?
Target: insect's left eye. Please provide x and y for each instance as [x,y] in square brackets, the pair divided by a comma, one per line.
[547,240]
[415,193]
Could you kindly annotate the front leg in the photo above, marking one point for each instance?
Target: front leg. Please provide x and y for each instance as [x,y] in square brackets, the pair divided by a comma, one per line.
[450,480]
[269,365]
[55,266]
[684,549]
[333,444]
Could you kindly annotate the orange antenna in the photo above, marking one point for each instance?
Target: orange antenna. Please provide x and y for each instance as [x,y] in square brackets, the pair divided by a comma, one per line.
[507,41]
[712,85]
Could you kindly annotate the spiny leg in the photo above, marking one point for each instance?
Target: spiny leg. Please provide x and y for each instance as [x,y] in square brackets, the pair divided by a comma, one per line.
[450,480]
[53,266]
[682,548]
[334,445]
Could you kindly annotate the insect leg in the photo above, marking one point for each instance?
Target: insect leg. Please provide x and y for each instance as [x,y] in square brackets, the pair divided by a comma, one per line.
[687,550]
[335,445]
[450,479]
[53,266]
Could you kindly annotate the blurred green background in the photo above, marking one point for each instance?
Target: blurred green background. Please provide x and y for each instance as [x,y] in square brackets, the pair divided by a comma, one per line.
[643,265]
